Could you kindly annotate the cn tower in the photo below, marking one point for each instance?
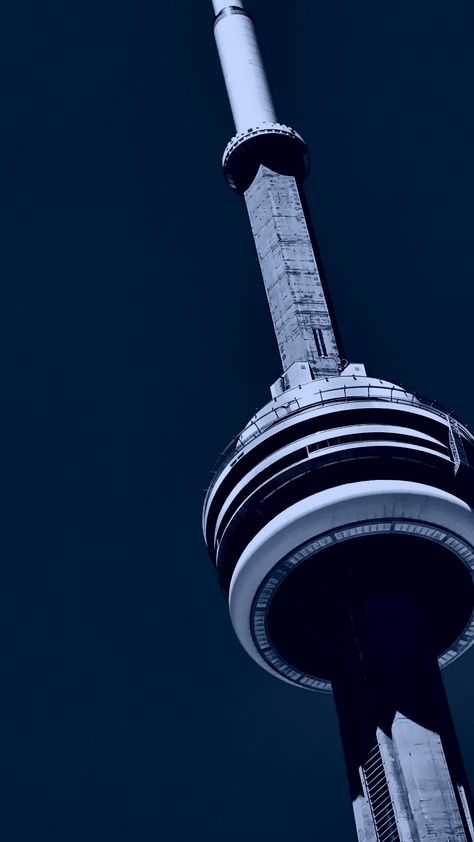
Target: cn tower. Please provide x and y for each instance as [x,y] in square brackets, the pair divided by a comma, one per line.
[340,520]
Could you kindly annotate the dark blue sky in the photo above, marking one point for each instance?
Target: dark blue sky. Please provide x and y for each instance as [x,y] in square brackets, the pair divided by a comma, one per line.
[135,341]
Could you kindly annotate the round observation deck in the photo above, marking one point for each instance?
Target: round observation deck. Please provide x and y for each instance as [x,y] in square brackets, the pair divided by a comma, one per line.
[273,145]
[342,483]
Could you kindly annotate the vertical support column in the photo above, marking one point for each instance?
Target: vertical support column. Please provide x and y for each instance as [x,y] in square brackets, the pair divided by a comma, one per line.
[426,781]
[292,280]
[401,751]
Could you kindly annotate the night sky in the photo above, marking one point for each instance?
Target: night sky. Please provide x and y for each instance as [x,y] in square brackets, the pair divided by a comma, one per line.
[135,341]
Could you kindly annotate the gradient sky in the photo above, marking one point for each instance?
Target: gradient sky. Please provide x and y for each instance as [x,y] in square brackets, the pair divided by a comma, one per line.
[135,341]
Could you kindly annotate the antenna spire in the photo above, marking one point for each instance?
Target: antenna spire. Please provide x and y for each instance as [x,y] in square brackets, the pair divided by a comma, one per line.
[244,74]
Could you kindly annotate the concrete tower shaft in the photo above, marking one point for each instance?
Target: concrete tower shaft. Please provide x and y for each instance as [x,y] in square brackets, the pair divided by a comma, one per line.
[341,519]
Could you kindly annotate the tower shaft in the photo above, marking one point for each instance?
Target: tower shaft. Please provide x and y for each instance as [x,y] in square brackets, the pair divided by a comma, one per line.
[293,283]
[405,770]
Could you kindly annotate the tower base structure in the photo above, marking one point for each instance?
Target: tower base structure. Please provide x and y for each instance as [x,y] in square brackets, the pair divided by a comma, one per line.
[342,528]
[406,775]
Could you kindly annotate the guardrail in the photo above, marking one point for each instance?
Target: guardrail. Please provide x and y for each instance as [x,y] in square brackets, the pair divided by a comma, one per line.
[344,394]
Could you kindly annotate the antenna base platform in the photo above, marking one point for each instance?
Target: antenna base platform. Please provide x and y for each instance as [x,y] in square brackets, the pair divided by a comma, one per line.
[278,147]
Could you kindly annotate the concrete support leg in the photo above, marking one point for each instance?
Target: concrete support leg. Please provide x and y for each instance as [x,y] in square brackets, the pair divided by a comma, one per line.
[405,770]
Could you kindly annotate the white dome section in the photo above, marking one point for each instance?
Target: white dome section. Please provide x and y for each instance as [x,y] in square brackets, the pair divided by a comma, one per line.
[325,397]
[325,393]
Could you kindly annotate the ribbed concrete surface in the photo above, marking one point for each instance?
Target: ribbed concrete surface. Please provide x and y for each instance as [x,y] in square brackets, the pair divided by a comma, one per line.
[295,294]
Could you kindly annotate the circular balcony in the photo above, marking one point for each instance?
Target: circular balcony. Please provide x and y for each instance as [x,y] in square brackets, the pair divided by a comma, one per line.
[274,145]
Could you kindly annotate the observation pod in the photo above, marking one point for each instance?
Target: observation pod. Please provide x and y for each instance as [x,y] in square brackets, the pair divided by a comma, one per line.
[341,519]
[348,483]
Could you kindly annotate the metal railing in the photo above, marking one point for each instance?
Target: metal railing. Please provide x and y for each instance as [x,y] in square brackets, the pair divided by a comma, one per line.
[344,394]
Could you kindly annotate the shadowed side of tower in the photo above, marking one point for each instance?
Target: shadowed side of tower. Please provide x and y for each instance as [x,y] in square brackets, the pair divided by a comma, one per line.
[341,518]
